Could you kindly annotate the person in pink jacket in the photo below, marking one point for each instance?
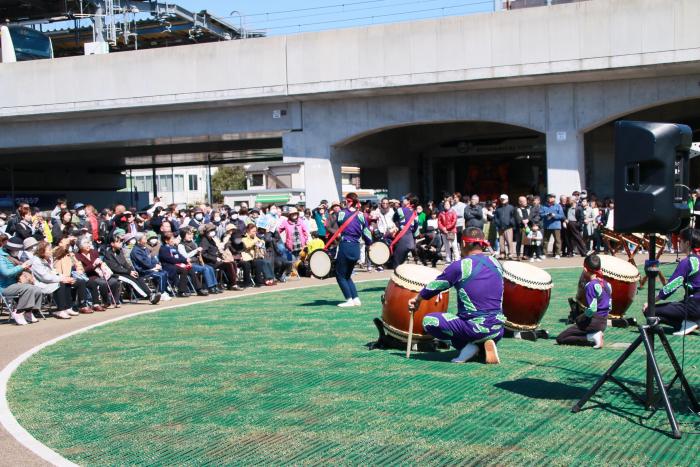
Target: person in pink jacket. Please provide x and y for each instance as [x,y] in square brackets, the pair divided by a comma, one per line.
[447,225]
[296,233]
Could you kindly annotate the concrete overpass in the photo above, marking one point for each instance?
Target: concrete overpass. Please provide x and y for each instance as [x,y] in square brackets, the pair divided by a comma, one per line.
[560,73]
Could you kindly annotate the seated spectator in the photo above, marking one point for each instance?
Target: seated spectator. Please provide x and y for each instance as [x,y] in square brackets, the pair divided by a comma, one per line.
[178,268]
[108,286]
[28,226]
[128,243]
[65,264]
[153,243]
[253,259]
[277,254]
[29,247]
[147,265]
[29,296]
[50,281]
[63,228]
[189,249]
[124,272]
[214,257]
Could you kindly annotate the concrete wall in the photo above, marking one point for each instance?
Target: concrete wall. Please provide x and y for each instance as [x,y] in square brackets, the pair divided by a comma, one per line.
[580,37]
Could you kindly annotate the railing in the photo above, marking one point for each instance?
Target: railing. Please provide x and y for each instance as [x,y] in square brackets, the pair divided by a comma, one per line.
[517,4]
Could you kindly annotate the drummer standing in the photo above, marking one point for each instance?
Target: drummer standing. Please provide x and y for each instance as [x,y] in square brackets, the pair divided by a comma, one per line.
[406,221]
[589,326]
[349,247]
[478,279]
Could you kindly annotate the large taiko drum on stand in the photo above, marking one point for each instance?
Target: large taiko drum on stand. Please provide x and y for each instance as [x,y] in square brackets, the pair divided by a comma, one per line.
[623,278]
[526,293]
[405,283]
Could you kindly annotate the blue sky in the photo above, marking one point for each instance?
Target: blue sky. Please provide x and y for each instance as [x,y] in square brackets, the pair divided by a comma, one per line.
[318,15]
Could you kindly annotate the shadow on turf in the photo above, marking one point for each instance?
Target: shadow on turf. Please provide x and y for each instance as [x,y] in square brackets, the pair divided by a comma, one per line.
[542,389]
[321,302]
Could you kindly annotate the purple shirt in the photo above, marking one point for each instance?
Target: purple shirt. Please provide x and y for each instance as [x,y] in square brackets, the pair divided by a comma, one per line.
[686,273]
[598,298]
[478,280]
[356,229]
[401,218]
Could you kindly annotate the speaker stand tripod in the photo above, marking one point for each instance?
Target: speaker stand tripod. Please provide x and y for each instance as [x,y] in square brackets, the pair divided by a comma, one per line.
[647,334]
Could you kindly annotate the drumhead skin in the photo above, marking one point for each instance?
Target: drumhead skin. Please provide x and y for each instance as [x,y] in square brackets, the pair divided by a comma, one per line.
[414,276]
[320,264]
[379,253]
[527,275]
[618,269]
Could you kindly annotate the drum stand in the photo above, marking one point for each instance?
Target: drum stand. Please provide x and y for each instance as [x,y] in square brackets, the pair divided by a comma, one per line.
[647,333]
[528,335]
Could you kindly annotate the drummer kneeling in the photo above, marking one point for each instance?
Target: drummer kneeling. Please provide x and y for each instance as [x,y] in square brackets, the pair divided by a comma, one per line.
[478,279]
[589,326]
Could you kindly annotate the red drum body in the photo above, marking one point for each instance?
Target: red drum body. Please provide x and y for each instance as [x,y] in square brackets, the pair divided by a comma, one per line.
[623,278]
[526,293]
[405,283]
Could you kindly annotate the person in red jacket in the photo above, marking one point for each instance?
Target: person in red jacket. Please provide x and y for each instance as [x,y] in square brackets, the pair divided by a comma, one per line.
[447,225]
[93,222]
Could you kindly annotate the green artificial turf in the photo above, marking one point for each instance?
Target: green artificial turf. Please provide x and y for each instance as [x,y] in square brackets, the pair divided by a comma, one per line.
[286,378]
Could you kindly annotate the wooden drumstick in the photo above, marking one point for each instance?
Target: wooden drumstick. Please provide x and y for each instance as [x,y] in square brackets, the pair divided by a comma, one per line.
[410,336]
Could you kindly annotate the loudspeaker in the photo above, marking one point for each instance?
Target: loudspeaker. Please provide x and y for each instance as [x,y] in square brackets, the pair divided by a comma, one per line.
[651,176]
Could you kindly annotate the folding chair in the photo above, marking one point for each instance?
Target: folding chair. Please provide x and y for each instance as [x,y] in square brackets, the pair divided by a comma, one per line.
[9,303]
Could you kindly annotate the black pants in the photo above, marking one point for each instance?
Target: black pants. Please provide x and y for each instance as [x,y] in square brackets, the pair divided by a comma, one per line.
[138,285]
[674,313]
[577,334]
[63,297]
[80,286]
[230,274]
[573,237]
[247,273]
[107,289]
[401,249]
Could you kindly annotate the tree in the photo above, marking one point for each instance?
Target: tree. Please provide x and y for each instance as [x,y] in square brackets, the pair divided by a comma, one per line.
[227,178]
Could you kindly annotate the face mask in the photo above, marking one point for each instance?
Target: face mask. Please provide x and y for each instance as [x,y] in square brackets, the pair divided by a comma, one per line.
[132,242]
[234,216]
[81,213]
[212,234]
[273,212]
[217,219]
[199,217]
[153,242]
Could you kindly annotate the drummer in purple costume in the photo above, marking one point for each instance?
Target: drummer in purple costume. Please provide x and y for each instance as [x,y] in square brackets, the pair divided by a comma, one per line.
[478,279]
[349,248]
[407,242]
[684,314]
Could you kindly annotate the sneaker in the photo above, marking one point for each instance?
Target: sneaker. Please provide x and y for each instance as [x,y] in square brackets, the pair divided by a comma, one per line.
[357,301]
[155,298]
[29,317]
[597,339]
[532,260]
[165,297]
[491,352]
[61,315]
[538,259]
[468,352]
[686,328]
[72,312]
[350,302]
[18,318]
[557,257]
[380,269]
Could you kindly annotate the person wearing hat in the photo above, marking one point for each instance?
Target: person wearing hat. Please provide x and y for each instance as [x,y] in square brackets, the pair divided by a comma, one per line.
[478,280]
[115,258]
[80,215]
[189,249]
[147,264]
[29,245]
[197,219]
[213,256]
[295,232]
[29,297]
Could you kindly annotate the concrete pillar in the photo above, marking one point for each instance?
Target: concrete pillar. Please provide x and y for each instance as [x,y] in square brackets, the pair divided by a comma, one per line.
[399,181]
[321,179]
[565,161]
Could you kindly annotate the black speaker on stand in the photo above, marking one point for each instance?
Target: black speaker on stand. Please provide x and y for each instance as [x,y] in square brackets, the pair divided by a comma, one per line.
[651,186]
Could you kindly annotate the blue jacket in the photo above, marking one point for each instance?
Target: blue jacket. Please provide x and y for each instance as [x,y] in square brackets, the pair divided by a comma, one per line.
[169,257]
[142,260]
[552,216]
[8,271]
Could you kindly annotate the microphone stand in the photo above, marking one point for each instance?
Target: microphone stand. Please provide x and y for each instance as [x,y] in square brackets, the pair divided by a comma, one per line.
[647,334]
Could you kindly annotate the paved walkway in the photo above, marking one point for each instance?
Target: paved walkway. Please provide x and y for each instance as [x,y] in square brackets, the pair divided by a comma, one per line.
[15,340]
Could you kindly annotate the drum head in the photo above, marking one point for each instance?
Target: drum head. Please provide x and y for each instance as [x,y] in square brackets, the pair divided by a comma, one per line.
[619,269]
[320,264]
[527,275]
[379,253]
[414,276]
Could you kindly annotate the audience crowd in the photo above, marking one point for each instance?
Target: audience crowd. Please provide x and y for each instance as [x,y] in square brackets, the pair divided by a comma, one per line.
[80,260]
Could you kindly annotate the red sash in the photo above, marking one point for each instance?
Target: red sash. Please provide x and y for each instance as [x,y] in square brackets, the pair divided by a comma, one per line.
[403,231]
[340,230]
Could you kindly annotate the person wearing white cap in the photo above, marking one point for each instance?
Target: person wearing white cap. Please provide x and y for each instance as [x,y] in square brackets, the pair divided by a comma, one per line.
[504,219]
[29,297]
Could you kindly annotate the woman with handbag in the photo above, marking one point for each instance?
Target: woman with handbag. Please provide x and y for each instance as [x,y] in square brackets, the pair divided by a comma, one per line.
[99,275]
[65,263]
[447,225]
[52,282]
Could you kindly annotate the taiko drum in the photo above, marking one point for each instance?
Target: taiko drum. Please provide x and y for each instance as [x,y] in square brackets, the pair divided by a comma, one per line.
[526,293]
[623,278]
[405,283]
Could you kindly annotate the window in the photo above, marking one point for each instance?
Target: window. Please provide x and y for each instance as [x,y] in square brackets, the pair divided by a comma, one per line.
[193,183]
[143,183]
[256,180]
